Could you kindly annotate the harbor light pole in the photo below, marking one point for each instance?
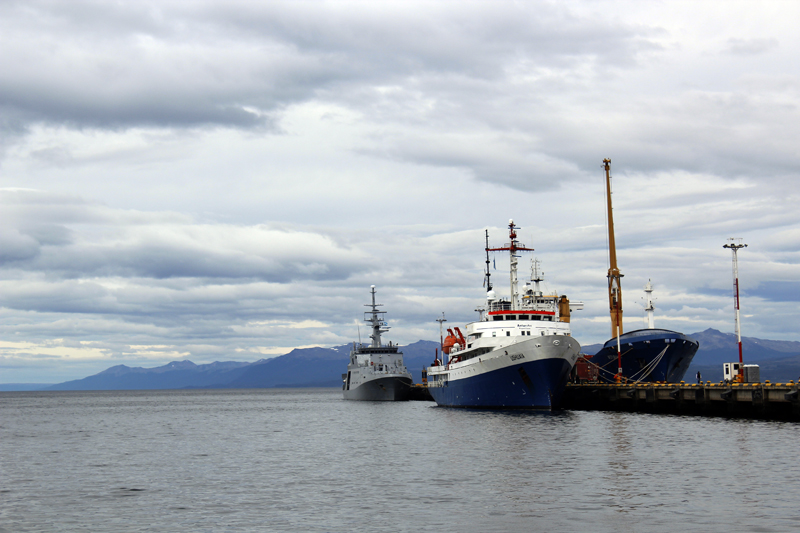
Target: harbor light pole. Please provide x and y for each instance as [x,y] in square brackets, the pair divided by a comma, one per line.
[734,247]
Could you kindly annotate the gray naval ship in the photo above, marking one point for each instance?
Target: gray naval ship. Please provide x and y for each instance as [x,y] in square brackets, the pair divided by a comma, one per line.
[376,372]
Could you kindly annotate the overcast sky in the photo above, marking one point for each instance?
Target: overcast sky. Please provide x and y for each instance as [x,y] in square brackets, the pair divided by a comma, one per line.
[225,180]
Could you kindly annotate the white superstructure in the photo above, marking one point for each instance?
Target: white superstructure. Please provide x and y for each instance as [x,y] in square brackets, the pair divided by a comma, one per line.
[518,352]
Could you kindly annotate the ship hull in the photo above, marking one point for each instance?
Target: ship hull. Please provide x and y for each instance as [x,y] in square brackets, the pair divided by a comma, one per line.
[648,356]
[382,389]
[535,381]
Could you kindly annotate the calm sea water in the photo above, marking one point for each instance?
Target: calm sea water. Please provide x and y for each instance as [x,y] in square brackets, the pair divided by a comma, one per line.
[305,460]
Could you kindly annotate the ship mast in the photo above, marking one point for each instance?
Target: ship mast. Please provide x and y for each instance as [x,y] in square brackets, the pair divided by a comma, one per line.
[512,247]
[648,290]
[376,320]
[614,288]
[735,248]
[536,277]
[441,333]
[488,280]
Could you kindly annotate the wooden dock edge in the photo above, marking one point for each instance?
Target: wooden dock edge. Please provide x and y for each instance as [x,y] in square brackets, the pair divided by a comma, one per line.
[774,401]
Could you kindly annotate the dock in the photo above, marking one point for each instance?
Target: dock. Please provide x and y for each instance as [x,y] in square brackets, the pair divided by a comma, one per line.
[779,401]
[419,393]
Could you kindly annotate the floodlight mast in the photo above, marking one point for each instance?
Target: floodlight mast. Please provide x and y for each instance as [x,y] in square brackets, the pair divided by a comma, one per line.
[734,247]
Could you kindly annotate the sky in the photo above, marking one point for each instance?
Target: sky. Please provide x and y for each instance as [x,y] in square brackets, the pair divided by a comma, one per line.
[225,180]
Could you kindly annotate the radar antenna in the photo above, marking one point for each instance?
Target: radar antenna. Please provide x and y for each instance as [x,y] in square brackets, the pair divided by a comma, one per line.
[376,320]
[512,248]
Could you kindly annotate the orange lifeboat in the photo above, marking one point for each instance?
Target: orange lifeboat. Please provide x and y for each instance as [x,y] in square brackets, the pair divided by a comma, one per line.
[449,341]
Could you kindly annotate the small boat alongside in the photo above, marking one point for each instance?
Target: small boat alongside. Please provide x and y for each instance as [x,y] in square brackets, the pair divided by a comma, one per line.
[376,372]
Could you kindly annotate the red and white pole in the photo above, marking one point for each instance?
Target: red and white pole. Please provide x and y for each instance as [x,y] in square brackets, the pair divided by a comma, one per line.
[735,248]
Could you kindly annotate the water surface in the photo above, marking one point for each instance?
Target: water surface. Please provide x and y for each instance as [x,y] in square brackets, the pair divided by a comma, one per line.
[305,460]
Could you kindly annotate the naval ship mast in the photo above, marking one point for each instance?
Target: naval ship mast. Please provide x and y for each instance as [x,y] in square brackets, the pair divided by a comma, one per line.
[512,247]
[614,288]
[378,323]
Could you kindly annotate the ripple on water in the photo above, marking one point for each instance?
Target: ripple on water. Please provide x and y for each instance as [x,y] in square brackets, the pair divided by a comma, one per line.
[304,460]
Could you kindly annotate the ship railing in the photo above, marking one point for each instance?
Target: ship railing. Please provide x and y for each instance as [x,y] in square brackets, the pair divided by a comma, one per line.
[499,305]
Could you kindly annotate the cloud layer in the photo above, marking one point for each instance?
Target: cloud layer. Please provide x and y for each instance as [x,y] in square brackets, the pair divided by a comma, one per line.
[208,181]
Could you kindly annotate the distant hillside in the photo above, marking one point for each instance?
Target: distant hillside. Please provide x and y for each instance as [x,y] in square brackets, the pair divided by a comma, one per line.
[778,361]
[17,387]
[175,375]
[322,367]
[308,367]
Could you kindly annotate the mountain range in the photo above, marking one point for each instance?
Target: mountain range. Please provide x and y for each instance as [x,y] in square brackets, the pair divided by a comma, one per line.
[779,361]
[306,367]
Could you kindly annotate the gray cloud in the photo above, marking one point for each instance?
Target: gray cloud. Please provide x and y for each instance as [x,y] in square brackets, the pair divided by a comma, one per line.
[157,249]
[737,46]
[208,181]
[178,64]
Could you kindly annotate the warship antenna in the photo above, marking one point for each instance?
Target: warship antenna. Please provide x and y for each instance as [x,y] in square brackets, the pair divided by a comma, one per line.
[614,287]
[376,320]
[734,247]
[512,247]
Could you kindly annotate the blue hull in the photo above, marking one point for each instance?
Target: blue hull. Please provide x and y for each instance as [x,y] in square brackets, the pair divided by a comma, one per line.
[642,353]
[532,385]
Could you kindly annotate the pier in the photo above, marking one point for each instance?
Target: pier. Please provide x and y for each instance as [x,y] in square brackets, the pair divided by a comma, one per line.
[419,393]
[738,400]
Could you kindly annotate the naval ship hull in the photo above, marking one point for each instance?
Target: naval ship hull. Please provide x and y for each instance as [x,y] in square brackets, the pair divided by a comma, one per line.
[382,389]
[528,375]
[648,355]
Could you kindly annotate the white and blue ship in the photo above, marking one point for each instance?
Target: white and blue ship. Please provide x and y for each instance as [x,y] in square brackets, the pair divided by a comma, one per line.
[517,355]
